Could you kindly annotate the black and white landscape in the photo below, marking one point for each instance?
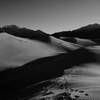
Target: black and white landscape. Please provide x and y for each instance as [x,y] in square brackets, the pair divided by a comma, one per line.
[49,49]
[35,65]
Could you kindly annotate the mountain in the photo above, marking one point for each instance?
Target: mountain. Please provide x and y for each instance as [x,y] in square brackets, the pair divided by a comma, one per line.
[87,32]
[25,33]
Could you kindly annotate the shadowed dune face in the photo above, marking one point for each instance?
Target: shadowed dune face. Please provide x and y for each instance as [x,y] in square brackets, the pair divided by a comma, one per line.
[68,46]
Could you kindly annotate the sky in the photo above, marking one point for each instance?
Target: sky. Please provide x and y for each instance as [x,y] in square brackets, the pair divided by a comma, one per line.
[49,15]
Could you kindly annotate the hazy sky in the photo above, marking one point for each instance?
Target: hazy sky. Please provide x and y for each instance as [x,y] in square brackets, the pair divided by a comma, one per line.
[50,15]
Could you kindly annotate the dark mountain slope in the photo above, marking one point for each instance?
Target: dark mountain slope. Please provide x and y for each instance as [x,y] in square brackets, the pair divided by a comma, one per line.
[91,31]
[25,33]
[14,80]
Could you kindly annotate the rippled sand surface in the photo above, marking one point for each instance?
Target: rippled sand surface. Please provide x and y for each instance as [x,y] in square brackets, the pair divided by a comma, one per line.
[77,83]
[87,78]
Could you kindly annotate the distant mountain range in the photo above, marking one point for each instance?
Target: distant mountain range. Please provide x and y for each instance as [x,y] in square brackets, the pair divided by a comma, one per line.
[25,33]
[91,32]
[28,57]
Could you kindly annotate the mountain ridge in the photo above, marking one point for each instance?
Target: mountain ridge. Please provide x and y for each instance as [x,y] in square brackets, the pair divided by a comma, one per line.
[90,31]
[25,33]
